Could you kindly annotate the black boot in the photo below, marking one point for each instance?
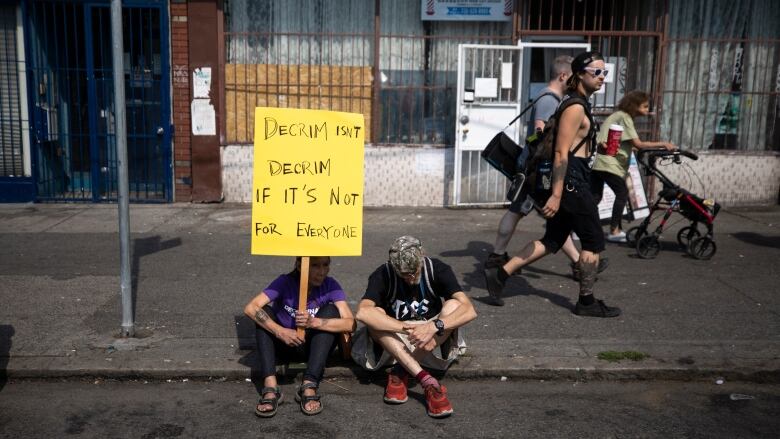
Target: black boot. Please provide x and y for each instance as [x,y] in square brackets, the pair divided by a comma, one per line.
[495,279]
[587,305]
[496,260]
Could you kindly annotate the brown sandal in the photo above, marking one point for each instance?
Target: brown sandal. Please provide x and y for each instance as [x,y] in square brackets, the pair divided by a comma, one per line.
[303,399]
[274,402]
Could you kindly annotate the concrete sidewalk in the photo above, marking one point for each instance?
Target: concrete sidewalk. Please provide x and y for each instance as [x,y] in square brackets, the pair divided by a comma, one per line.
[193,273]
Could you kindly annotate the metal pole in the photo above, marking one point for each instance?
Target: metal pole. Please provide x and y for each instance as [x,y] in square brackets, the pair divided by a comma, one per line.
[128,326]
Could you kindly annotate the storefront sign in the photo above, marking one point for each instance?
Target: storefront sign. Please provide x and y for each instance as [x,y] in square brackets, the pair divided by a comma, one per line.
[467,10]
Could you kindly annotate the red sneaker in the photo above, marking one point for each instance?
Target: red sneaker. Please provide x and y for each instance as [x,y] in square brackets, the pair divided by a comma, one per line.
[438,406]
[395,391]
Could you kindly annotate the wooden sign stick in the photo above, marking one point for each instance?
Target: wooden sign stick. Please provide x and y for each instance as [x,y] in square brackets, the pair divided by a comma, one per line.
[303,291]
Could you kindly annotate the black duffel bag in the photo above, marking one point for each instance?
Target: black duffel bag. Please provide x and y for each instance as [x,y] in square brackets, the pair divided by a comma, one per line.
[502,153]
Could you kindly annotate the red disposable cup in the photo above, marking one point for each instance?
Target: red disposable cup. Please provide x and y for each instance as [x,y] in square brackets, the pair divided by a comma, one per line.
[613,139]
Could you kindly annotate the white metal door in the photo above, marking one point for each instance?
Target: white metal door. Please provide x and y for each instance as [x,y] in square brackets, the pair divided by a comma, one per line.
[488,99]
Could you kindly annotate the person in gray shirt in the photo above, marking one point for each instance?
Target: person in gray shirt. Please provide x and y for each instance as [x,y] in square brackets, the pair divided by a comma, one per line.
[545,107]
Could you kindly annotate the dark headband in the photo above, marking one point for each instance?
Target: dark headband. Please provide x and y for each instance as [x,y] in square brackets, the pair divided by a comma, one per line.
[582,60]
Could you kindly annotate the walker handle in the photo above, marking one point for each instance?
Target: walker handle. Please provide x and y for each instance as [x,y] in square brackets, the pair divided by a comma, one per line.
[688,154]
[652,152]
[663,152]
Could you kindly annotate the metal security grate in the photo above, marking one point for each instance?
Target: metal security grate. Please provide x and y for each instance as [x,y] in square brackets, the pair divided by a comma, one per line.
[418,75]
[375,58]
[72,108]
[296,54]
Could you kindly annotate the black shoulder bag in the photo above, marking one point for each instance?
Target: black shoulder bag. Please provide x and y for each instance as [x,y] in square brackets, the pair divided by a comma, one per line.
[502,152]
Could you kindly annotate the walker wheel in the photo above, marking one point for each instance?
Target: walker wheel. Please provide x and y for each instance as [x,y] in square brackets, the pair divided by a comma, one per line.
[702,248]
[634,234]
[686,235]
[648,247]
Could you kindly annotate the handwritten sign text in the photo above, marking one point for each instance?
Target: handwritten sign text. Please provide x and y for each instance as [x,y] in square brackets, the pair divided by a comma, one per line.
[307,183]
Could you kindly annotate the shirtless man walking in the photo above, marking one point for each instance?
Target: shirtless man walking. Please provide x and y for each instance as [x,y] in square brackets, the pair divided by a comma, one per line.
[571,206]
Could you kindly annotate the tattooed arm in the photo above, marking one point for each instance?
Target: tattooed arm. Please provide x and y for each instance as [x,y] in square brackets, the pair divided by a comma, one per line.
[568,126]
[261,317]
[560,164]
[254,310]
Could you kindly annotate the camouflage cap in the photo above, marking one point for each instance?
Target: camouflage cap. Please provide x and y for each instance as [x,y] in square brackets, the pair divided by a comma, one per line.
[406,254]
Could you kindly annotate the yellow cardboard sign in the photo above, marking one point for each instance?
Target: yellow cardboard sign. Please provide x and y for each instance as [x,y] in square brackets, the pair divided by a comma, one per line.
[307,187]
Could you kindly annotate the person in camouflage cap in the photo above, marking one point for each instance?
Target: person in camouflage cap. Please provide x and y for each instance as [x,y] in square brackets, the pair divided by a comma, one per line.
[413,312]
[406,255]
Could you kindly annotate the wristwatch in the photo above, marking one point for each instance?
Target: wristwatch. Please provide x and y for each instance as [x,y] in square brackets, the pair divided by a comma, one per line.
[439,327]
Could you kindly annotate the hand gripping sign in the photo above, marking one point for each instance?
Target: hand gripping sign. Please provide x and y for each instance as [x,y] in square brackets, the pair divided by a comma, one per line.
[307,187]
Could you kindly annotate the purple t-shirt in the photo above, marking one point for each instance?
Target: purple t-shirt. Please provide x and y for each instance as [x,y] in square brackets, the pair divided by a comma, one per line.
[283,292]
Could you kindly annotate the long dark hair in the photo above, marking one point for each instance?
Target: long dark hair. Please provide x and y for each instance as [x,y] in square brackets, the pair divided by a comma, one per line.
[632,101]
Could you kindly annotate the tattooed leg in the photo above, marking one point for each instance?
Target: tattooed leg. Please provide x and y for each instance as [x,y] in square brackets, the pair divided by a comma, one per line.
[587,271]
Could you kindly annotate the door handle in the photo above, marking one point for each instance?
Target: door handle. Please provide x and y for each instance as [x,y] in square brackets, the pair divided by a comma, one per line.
[160,131]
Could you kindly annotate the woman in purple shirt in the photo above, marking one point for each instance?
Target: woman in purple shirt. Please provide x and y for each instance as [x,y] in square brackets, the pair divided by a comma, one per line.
[275,312]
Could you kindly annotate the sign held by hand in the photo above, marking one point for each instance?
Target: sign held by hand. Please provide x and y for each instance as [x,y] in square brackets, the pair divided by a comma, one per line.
[307,189]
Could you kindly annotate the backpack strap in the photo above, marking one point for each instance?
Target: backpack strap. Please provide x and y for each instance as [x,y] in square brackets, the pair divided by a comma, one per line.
[427,275]
[529,106]
[392,284]
[426,279]
[568,101]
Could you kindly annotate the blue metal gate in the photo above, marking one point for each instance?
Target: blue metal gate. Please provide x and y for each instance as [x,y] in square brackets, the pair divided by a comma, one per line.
[70,77]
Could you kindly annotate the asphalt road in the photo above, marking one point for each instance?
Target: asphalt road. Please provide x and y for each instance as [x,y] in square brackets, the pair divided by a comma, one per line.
[495,409]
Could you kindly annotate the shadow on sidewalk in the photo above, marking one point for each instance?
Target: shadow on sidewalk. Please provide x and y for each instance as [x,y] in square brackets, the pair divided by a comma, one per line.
[6,333]
[665,245]
[474,278]
[515,286]
[520,287]
[758,239]
[145,247]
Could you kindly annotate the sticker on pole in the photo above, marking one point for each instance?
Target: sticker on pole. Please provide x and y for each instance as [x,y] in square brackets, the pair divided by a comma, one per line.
[307,187]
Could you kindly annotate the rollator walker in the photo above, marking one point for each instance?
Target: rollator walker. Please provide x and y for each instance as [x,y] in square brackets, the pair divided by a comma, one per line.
[699,243]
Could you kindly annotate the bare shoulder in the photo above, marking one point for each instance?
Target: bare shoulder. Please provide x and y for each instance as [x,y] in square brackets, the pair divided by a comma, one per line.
[573,112]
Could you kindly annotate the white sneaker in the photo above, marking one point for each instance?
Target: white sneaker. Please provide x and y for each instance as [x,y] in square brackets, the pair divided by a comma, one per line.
[620,237]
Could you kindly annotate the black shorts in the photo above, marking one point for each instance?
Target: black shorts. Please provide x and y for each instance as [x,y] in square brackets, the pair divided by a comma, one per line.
[578,213]
[517,205]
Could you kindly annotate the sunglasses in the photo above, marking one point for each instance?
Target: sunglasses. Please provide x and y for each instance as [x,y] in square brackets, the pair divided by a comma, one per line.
[596,72]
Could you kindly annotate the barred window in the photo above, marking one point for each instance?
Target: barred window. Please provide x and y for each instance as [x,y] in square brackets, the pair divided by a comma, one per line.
[11,164]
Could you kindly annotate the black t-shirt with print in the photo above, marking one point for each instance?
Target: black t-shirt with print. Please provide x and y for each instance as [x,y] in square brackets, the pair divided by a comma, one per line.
[412,302]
